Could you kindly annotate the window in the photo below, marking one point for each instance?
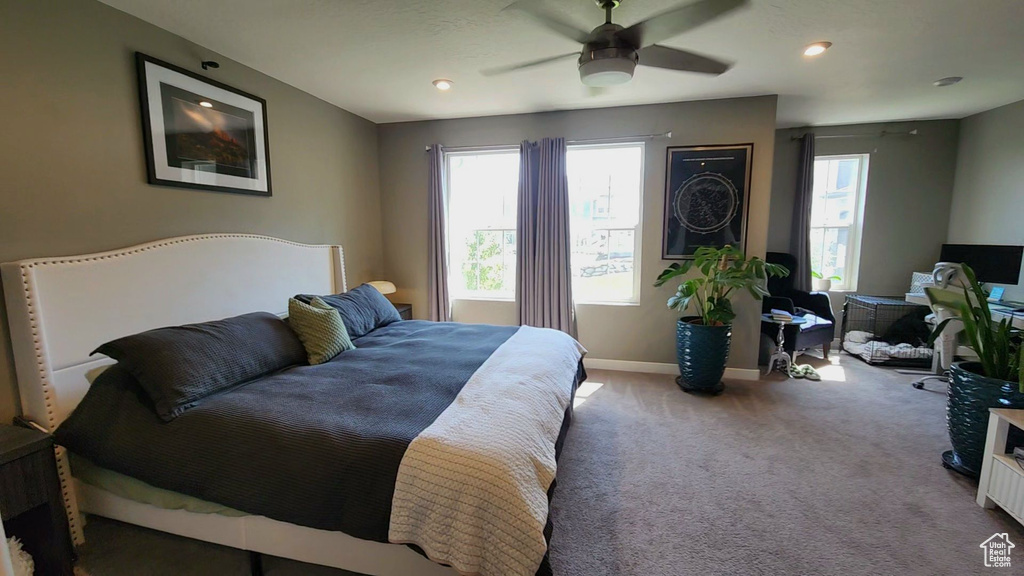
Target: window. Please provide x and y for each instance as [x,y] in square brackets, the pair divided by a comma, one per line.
[840,183]
[482,194]
[605,185]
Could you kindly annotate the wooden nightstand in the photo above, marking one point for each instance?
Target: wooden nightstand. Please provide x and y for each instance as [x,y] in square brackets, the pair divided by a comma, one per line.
[404,310]
[31,504]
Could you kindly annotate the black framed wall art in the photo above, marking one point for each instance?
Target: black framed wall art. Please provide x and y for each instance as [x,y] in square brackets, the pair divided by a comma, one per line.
[200,133]
[706,190]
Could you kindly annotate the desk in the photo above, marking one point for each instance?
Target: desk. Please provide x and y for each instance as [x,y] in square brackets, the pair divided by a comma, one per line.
[999,312]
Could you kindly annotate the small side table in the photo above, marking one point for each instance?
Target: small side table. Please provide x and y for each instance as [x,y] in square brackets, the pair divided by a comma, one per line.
[404,310]
[780,356]
[31,504]
[1002,479]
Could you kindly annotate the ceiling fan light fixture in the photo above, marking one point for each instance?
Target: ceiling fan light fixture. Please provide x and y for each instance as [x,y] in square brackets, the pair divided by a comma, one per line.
[947,81]
[607,71]
[612,52]
[817,48]
[443,84]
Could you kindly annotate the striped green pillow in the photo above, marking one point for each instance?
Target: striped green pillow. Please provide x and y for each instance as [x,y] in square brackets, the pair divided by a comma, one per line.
[320,328]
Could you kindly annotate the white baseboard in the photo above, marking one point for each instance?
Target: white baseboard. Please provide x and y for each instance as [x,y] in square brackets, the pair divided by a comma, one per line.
[662,368]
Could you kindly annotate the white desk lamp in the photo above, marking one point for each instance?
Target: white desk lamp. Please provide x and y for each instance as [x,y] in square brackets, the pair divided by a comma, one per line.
[384,286]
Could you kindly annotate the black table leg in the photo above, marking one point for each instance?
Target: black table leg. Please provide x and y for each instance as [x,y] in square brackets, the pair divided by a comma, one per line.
[256,563]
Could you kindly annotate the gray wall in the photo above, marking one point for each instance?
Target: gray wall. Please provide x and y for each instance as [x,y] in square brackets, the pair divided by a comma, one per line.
[988,196]
[643,332]
[74,179]
[909,192]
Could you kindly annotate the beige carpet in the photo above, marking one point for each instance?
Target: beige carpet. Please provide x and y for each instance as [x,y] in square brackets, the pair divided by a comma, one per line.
[775,477]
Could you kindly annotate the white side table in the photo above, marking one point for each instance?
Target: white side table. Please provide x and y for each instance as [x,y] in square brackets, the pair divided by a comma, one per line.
[780,356]
[1002,479]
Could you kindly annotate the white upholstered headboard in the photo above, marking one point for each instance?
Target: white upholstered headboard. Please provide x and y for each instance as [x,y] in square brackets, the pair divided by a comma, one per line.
[61,309]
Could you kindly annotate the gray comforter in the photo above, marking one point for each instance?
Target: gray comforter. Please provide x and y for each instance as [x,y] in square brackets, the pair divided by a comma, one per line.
[318,446]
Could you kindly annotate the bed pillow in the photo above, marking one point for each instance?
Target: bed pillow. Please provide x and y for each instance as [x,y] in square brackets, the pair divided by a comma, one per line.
[362,309]
[180,365]
[320,328]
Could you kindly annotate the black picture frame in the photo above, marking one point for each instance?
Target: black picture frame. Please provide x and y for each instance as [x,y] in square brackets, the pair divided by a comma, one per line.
[706,198]
[205,135]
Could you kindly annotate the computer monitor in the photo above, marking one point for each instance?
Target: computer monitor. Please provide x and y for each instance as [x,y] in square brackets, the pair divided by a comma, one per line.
[991,263]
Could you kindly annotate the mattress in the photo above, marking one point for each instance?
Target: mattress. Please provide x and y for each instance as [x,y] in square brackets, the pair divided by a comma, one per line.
[138,491]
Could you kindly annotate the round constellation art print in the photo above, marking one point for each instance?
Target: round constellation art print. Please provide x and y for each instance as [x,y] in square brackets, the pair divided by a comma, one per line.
[706,202]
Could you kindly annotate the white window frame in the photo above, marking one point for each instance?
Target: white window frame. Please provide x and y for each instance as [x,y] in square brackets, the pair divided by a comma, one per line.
[634,299]
[856,228]
[456,294]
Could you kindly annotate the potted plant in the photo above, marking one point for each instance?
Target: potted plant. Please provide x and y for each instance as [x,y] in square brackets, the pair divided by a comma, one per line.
[996,380]
[822,284]
[702,341]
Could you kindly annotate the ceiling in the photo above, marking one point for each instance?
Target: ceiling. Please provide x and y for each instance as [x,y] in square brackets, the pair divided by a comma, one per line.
[377,58]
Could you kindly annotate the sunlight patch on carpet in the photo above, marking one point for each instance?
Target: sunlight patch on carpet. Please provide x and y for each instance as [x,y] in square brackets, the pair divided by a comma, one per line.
[584,392]
[833,372]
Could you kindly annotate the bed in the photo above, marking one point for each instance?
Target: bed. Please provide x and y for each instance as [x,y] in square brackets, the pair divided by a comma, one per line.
[60,309]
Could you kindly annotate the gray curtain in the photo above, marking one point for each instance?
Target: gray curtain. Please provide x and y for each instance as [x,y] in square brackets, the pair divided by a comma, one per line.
[543,273]
[800,236]
[438,306]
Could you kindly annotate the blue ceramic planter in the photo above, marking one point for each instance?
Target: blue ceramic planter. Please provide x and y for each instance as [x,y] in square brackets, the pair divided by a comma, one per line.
[967,402]
[702,352]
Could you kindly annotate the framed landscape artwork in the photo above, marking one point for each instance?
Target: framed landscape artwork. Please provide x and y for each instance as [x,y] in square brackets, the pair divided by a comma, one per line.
[200,133]
[705,198]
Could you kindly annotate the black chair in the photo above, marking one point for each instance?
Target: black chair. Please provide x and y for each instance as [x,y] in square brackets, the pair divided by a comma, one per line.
[815,307]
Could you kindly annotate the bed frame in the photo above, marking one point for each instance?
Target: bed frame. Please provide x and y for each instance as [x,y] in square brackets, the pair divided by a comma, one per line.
[60,309]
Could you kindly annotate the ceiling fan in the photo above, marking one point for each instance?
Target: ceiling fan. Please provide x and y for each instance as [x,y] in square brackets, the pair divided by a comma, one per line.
[611,53]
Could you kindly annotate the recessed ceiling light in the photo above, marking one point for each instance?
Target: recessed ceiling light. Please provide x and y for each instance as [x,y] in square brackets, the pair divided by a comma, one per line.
[443,84]
[817,48]
[947,81]
[206,104]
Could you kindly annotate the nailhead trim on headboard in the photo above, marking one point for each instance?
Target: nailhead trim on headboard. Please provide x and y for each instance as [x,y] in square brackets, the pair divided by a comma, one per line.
[63,467]
[158,244]
[60,454]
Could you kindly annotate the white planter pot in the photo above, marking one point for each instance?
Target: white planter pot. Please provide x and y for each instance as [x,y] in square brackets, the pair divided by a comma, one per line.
[821,284]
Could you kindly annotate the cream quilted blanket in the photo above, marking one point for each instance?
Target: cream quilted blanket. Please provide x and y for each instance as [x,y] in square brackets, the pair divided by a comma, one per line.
[472,487]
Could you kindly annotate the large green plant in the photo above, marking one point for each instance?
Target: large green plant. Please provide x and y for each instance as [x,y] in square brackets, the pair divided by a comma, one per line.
[722,272]
[997,344]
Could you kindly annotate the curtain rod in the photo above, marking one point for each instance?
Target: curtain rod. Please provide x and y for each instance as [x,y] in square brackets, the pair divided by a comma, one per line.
[611,140]
[881,134]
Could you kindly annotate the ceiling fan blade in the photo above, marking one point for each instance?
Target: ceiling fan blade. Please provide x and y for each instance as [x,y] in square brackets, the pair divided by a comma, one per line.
[676,21]
[522,65]
[675,59]
[550,20]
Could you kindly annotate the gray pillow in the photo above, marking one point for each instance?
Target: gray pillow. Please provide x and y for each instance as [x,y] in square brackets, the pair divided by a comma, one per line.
[363,309]
[180,365]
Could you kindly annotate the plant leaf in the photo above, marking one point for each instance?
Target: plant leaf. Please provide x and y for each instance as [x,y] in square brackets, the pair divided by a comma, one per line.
[937,331]
[721,273]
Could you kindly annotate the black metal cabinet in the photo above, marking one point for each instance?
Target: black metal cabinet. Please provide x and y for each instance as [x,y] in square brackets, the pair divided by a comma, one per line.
[31,505]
